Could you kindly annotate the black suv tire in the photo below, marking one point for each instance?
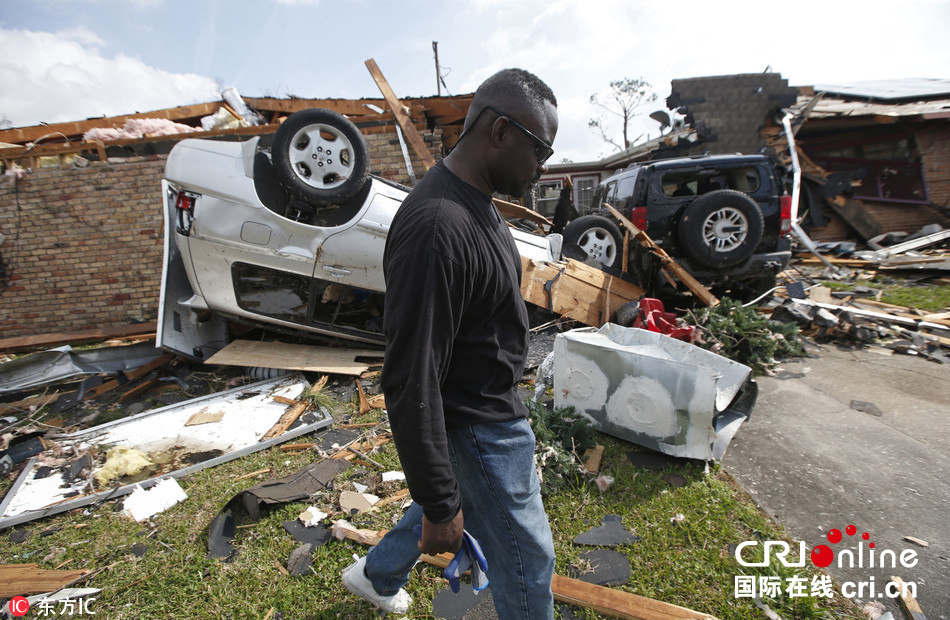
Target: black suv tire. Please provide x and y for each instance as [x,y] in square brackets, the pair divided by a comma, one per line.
[720,228]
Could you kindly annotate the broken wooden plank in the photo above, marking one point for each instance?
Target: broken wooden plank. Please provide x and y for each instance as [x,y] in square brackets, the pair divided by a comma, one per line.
[405,123]
[27,579]
[908,603]
[364,403]
[205,417]
[20,343]
[365,446]
[308,358]
[129,376]
[684,276]
[614,603]
[856,216]
[510,209]
[617,603]
[288,418]
[575,290]
[399,495]
[592,458]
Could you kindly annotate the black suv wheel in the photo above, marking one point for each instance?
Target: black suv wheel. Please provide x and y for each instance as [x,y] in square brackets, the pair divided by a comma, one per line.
[720,228]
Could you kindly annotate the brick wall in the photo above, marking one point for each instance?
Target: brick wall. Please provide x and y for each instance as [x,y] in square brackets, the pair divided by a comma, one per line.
[84,246]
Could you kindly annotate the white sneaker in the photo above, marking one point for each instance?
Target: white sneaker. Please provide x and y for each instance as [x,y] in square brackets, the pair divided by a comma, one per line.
[356,581]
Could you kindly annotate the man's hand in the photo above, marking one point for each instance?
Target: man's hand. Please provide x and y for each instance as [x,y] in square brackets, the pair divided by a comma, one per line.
[442,537]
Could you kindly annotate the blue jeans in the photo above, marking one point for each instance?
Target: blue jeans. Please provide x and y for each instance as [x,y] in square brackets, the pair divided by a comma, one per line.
[501,502]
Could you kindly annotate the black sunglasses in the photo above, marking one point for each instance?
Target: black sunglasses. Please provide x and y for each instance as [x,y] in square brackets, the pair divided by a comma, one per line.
[542,149]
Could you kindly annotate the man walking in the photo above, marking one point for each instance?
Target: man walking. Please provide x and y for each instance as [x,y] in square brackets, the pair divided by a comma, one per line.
[457,336]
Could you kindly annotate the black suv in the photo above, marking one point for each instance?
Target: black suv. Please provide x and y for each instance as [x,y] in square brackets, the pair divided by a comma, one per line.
[724,218]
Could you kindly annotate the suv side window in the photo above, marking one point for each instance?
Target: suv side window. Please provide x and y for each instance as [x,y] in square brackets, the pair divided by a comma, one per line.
[694,182]
[623,201]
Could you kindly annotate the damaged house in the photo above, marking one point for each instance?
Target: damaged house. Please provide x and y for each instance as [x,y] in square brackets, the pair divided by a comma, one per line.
[875,155]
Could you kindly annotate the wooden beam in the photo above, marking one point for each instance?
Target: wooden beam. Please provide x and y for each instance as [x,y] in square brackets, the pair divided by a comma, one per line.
[684,276]
[575,290]
[22,343]
[617,603]
[78,128]
[409,131]
[347,107]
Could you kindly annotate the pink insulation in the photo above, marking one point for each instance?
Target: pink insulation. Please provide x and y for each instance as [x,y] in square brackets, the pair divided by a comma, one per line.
[138,128]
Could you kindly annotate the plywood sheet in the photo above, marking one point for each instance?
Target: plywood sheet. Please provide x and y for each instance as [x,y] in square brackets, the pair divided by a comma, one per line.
[26,579]
[308,358]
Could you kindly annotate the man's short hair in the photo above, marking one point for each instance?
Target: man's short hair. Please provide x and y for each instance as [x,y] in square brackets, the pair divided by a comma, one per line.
[512,90]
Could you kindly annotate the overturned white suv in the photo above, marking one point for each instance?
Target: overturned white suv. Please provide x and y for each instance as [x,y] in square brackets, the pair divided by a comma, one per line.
[287,235]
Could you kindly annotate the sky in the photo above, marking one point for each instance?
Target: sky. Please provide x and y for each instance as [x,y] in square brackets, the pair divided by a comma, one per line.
[67,60]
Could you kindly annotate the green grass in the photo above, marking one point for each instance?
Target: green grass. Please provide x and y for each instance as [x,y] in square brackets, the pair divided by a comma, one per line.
[928,297]
[688,564]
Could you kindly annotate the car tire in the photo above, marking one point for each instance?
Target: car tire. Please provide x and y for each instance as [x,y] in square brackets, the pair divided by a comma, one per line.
[320,156]
[597,237]
[720,228]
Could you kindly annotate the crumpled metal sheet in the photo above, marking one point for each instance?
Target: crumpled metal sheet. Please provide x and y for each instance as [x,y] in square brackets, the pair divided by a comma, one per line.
[653,390]
[63,362]
[248,413]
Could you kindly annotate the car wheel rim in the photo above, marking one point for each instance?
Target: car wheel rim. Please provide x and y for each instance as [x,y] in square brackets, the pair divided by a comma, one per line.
[321,156]
[725,229]
[599,245]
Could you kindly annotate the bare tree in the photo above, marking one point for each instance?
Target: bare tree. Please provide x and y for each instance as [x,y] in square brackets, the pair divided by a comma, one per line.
[621,100]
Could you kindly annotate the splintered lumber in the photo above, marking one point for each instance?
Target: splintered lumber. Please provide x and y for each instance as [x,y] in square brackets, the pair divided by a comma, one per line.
[27,579]
[575,290]
[607,601]
[510,209]
[399,111]
[297,408]
[132,375]
[286,420]
[684,276]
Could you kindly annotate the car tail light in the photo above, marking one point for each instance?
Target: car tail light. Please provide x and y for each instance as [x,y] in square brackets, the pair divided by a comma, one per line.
[785,215]
[185,201]
[185,210]
[638,215]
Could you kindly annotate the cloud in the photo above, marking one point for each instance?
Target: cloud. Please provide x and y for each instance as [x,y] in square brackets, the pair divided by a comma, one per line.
[66,76]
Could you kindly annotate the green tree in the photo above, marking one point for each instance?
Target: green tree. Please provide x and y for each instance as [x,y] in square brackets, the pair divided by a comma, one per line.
[621,100]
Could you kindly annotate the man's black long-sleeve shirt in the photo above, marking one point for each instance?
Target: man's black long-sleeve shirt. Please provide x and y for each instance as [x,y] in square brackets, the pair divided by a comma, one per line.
[456,328]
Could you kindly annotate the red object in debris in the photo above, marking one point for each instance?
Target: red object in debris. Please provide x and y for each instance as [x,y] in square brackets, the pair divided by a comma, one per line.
[653,318]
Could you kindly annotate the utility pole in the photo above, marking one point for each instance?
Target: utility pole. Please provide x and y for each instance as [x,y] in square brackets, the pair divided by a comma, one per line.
[438,73]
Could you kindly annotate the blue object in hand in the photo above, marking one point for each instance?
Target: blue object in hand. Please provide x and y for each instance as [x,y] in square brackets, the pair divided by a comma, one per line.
[468,558]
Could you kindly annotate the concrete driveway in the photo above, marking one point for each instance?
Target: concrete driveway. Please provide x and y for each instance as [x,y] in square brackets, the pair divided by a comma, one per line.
[815,463]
